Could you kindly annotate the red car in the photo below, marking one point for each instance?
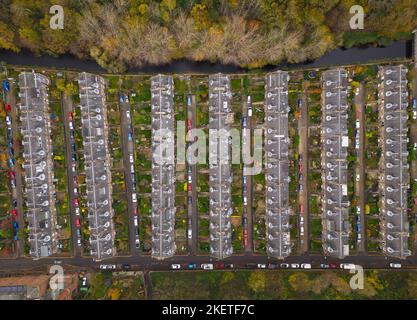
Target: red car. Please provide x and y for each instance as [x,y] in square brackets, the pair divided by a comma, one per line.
[70,116]
[11,174]
[14,213]
[8,107]
[245,238]
[135,211]
[333,266]
[220,266]
[190,187]
[189,124]
[300,168]
[301,208]
[77,203]
[78,222]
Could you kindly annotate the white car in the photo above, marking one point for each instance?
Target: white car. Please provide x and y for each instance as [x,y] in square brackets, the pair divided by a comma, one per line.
[395,265]
[131,158]
[128,114]
[175,266]
[207,266]
[135,221]
[414,115]
[261,266]
[302,219]
[77,211]
[137,243]
[8,121]
[348,266]
[302,231]
[76,190]
[295,265]
[70,125]
[358,177]
[79,242]
[190,233]
[249,112]
[357,91]
[358,210]
[358,124]
[190,179]
[305,266]
[107,266]
[245,200]
[132,169]
[134,197]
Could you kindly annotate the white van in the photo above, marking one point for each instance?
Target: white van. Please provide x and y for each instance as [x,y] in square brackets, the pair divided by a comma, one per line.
[134,198]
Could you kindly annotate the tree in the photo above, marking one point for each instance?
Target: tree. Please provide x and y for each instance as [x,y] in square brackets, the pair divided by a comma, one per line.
[257,281]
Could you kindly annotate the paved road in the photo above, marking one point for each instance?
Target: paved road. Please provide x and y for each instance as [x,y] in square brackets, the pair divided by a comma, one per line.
[67,106]
[192,209]
[360,168]
[17,193]
[239,262]
[303,151]
[128,149]
[248,209]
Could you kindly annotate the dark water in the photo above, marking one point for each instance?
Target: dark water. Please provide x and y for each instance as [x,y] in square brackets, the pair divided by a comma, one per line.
[397,50]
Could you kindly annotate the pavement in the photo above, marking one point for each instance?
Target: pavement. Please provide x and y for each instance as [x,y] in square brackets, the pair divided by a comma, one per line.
[128,149]
[303,151]
[360,168]
[248,209]
[192,209]
[11,99]
[67,106]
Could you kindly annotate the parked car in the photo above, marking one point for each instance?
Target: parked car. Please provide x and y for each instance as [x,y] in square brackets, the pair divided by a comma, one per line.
[14,213]
[220,266]
[295,266]
[395,265]
[324,266]
[137,243]
[175,266]
[128,114]
[305,266]
[131,158]
[6,85]
[190,234]
[79,242]
[8,121]
[273,266]
[76,202]
[192,266]
[228,266]
[189,124]
[8,107]
[129,136]
[77,222]
[284,265]
[348,266]
[207,266]
[70,116]
[261,266]
[11,162]
[14,203]
[333,266]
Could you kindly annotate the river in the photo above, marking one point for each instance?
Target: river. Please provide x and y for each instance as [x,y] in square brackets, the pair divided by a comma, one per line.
[357,55]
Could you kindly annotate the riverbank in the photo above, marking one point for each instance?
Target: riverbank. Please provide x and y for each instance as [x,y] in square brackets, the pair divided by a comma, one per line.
[397,51]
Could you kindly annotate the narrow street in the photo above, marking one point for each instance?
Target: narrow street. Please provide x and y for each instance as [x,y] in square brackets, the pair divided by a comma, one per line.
[247,222]
[18,170]
[192,199]
[130,177]
[303,164]
[67,108]
[360,168]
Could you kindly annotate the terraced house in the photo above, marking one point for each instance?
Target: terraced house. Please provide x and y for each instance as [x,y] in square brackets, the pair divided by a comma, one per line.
[277,165]
[394,169]
[40,190]
[97,164]
[334,136]
[163,167]
[220,166]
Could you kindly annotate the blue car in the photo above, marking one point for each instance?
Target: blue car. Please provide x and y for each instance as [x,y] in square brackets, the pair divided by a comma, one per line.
[192,266]
[129,136]
[414,103]
[6,85]
[188,100]
[11,151]
[11,162]
[122,97]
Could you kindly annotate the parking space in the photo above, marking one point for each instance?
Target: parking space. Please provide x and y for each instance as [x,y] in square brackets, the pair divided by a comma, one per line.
[163,168]
[220,166]
[277,165]
[394,177]
[335,204]
[97,165]
[39,187]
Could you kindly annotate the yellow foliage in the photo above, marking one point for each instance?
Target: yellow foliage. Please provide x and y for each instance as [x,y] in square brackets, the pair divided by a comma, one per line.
[114,293]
